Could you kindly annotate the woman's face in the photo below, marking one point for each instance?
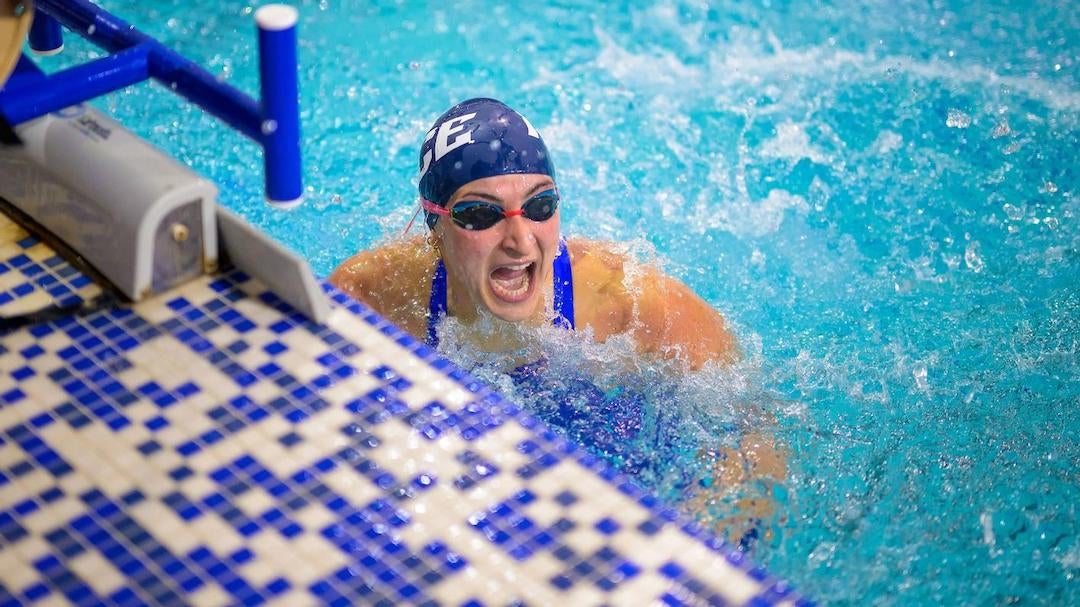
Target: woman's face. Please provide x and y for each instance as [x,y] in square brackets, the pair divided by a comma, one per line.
[506,268]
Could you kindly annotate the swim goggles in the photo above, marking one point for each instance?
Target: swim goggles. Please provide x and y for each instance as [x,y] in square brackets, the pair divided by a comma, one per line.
[481,214]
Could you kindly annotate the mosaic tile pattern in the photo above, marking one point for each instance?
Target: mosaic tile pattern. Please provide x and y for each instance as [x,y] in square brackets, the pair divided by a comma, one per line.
[213,447]
[33,277]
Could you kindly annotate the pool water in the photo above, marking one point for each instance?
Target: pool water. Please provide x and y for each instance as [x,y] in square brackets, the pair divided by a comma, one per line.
[879,196]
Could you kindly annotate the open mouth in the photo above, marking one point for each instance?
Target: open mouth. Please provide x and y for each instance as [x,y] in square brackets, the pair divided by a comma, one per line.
[513,283]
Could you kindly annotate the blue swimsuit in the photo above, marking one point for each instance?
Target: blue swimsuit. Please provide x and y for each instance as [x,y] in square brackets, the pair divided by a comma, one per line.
[562,277]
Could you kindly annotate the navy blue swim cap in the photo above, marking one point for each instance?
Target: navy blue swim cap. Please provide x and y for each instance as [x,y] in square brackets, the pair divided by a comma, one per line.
[474,139]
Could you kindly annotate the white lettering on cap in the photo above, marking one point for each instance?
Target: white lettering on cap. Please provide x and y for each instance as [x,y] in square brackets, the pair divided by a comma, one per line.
[530,128]
[443,144]
[427,157]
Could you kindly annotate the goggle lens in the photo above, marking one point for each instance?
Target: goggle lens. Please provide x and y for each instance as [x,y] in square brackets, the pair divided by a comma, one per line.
[476,214]
[481,214]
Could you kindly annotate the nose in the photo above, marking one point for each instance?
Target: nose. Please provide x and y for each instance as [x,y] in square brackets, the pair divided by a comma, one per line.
[517,233]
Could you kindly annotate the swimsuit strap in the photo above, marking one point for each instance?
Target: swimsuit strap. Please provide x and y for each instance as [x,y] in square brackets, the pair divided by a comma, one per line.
[562,277]
[437,303]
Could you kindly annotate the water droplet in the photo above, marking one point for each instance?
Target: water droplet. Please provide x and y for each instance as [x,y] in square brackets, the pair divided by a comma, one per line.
[269,127]
[1051,187]
[1013,212]
[1001,129]
[91,29]
[957,119]
[1055,255]
[495,145]
[987,522]
[919,373]
[972,258]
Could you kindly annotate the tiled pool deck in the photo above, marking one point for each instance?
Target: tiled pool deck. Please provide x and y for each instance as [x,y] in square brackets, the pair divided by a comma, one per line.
[211,446]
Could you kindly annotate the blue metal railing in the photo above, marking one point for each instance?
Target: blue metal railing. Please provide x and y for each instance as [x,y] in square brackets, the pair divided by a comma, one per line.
[274,123]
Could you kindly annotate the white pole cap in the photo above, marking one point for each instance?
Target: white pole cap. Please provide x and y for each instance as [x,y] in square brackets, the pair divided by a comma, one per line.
[276,17]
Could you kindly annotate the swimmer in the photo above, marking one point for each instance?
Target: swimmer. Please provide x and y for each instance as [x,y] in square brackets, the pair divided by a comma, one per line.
[494,250]
[494,257]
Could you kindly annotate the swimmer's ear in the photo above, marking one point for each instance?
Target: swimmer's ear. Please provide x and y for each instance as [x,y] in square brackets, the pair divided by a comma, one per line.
[433,242]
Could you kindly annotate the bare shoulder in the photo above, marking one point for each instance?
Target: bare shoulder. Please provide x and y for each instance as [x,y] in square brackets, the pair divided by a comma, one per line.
[603,253]
[393,279]
[598,265]
[677,323]
[404,255]
[618,294]
[601,301]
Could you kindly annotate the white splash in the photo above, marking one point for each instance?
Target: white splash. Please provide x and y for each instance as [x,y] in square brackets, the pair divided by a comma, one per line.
[986,519]
[568,138]
[746,218]
[659,69]
[972,258]
[919,373]
[792,143]
[1071,558]
[746,62]
[407,137]
[957,119]
[887,142]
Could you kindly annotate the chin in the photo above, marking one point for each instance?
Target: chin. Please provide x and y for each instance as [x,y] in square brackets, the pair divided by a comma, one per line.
[519,312]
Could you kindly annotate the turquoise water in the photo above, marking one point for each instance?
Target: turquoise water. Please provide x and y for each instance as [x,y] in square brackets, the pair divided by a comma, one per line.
[879,196]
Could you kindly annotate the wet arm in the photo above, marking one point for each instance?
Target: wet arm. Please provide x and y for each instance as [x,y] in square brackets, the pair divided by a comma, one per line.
[391,280]
[353,277]
[676,323]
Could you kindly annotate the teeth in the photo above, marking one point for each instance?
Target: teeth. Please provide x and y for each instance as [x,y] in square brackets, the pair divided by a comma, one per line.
[514,288]
[517,267]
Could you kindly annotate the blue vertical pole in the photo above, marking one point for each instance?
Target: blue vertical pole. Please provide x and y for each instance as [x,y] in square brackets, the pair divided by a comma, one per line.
[46,37]
[280,104]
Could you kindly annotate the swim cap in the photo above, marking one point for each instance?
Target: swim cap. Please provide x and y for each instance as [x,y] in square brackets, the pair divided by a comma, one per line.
[474,139]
